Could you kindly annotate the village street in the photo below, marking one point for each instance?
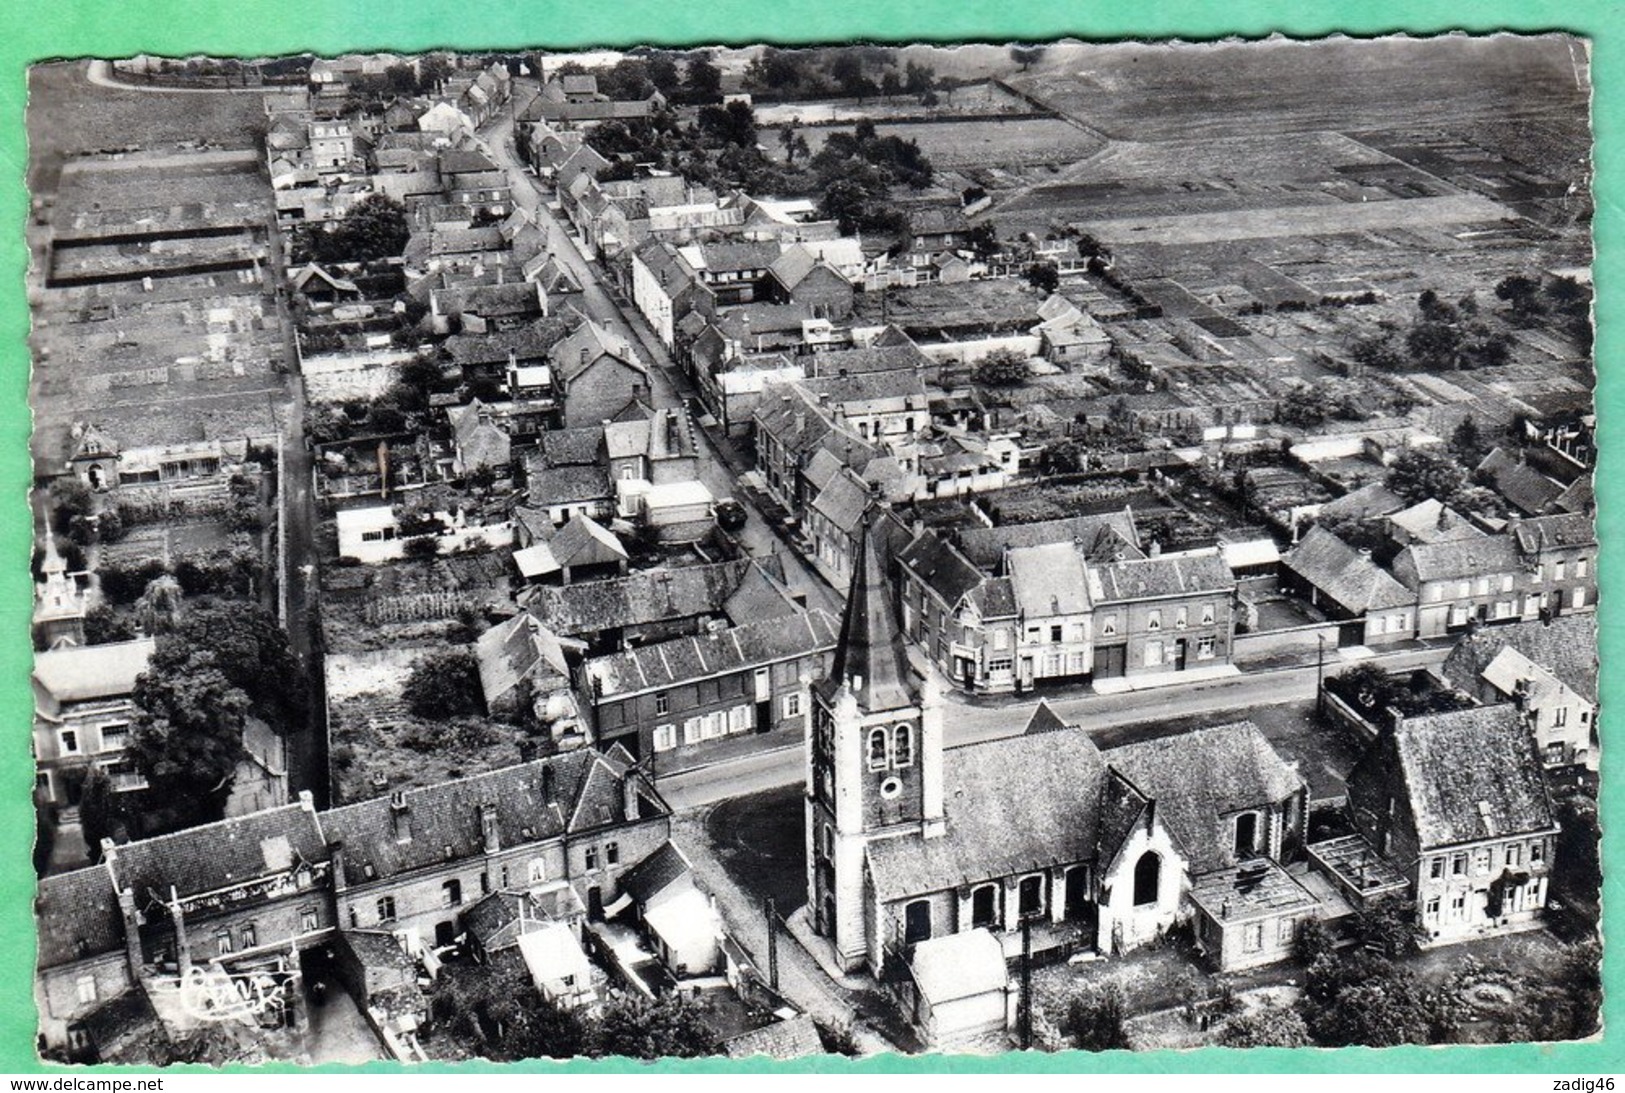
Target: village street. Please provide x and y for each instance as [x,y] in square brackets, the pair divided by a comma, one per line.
[974,722]
[667,385]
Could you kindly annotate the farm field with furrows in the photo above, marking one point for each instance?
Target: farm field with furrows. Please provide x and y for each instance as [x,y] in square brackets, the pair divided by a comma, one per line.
[1138,92]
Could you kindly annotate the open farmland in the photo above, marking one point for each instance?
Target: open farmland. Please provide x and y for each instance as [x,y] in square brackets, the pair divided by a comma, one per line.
[1292,220]
[67,114]
[985,143]
[1148,92]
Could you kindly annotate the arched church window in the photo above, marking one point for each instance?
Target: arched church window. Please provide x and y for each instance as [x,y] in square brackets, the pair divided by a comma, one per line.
[1147,878]
[902,746]
[878,748]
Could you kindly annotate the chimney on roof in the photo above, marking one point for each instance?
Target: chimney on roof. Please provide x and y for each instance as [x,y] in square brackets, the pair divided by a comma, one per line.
[583,356]
[133,956]
[400,817]
[630,806]
[1444,517]
[1365,552]
[488,828]
[550,790]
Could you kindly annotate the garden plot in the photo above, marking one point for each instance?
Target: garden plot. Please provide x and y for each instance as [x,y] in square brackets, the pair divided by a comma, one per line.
[983,143]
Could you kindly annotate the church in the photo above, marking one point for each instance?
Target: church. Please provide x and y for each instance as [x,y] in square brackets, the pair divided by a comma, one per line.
[1093,850]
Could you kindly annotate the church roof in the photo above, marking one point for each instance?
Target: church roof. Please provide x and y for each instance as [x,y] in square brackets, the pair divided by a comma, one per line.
[1013,805]
[869,653]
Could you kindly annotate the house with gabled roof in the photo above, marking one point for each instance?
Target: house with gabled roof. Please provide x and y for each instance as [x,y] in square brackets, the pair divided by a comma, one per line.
[583,549]
[1347,584]
[597,372]
[1163,615]
[643,606]
[1548,670]
[1456,803]
[523,662]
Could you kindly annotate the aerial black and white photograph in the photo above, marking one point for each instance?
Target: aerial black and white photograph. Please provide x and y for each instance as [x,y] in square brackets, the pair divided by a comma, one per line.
[759,552]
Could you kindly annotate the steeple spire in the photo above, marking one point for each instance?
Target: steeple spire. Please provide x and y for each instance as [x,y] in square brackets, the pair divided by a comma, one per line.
[869,655]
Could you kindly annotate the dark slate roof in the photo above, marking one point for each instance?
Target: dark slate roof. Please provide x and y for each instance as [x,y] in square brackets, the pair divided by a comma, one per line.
[985,547]
[520,648]
[1012,805]
[725,257]
[1518,482]
[748,323]
[843,501]
[1545,532]
[585,794]
[680,660]
[1199,778]
[1459,558]
[378,949]
[794,1038]
[586,345]
[112,1025]
[864,387]
[942,568]
[637,598]
[77,915]
[492,914]
[762,594]
[1344,575]
[873,358]
[1472,774]
[1045,719]
[1369,501]
[1144,578]
[584,541]
[558,485]
[219,855]
[567,447]
[995,599]
[1121,807]
[654,874]
[869,655]
[1566,647]
[528,342]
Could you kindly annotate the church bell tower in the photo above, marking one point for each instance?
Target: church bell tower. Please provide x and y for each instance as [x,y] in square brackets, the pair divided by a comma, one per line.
[874,758]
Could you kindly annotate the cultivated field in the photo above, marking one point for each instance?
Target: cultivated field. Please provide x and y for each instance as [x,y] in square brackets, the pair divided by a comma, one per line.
[987,143]
[67,115]
[1294,220]
[1150,92]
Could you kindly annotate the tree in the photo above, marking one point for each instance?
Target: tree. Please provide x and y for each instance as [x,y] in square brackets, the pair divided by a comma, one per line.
[1026,56]
[248,646]
[734,123]
[1419,475]
[1466,445]
[1095,1020]
[670,1027]
[158,611]
[1270,1026]
[101,811]
[124,583]
[375,227]
[1303,406]
[1063,456]
[1001,368]
[1522,294]
[1363,999]
[702,82]
[984,240]
[188,736]
[444,684]
[1044,276]
[103,625]
[70,498]
[917,78]
[422,548]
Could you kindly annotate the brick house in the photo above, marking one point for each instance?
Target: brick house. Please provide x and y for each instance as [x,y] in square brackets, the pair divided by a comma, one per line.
[1163,614]
[1457,804]
[597,374]
[679,695]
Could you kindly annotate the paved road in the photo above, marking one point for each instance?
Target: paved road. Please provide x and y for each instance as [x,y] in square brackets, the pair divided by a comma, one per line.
[307,749]
[972,724]
[668,387]
[101,73]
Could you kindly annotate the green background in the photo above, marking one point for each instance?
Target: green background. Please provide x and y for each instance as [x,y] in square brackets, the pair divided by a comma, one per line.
[35,30]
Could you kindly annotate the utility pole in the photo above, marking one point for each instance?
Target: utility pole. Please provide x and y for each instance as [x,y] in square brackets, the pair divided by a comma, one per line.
[1320,674]
[1024,1011]
[772,944]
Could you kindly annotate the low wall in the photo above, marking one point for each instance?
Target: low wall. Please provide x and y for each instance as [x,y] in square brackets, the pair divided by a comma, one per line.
[1341,713]
[1293,639]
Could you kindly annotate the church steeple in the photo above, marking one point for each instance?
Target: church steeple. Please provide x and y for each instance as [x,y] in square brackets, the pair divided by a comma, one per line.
[59,605]
[869,655]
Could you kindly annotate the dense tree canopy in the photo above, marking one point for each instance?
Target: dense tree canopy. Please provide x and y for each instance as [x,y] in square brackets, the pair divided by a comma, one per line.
[444,684]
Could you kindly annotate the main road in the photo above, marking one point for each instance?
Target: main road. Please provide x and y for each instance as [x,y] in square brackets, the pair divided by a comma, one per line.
[667,386]
[967,723]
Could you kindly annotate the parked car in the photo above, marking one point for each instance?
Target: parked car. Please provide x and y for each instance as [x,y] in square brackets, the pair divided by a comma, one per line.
[731,515]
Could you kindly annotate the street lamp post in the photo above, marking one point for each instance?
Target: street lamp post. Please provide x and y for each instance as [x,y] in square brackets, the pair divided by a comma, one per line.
[1320,674]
